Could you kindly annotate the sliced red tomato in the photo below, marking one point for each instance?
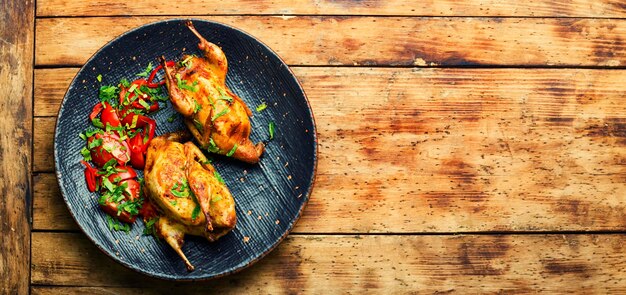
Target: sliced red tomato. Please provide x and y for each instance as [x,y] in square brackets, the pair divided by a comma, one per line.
[110,148]
[109,115]
[133,188]
[111,209]
[125,172]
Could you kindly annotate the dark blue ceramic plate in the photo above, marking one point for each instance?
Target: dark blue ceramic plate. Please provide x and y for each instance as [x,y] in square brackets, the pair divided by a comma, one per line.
[270,196]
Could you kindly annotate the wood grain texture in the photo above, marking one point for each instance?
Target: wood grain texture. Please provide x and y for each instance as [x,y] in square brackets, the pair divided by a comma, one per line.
[16,70]
[442,150]
[43,140]
[370,264]
[576,8]
[401,41]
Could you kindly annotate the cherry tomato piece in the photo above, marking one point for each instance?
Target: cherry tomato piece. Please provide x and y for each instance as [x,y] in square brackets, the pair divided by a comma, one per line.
[111,147]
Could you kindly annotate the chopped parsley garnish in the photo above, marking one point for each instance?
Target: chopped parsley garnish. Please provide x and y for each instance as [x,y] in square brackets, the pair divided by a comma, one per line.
[108,184]
[96,122]
[86,154]
[94,143]
[132,207]
[223,112]
[261,107]
[99,78]
[171,118]
[149,228]
[216,199]
[173,203]
[147,71]
[125,83]
[182,84]
[271,128]
[232,151]
[218,176]
[116,225]
[187,61]
[180,190]
[107,92]
[196,212]
[212,146]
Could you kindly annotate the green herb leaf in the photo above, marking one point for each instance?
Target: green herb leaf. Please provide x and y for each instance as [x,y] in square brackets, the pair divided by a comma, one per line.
[218,176]
[261,107]
[107,92]
[107,184]
[197,107]
[198,125]
[182,84]
[173,203]
[223,95]
[271,128]
[232,151]
[223,112]
[94,143]
[86,154]
[146,72]
[171,118]
[99,78]
[216,199]
[97,123]
[213,147]
[110,222]
[195,213]
[125,83]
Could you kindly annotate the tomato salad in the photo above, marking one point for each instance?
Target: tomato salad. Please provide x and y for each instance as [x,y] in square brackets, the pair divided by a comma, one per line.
[117,145]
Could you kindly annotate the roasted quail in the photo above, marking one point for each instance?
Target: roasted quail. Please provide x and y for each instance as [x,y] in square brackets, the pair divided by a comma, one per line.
[216,116]
[190,196]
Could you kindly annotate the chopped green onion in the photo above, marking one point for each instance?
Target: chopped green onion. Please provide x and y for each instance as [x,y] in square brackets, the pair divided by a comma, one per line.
[99,77]
[107,183]
[198,125]
[133,124]
[132,88]
[232,151]
[223,112]
[212,146]
[197,107]
[218,176]
[271,128]
[144,104]
[82,136]
[261,107]
[146,72]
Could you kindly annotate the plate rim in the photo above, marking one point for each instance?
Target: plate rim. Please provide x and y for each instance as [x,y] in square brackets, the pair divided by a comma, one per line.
[253,261]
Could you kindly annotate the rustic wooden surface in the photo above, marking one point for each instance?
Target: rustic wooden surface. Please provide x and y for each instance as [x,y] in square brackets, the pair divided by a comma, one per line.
[464,147]
[16,93]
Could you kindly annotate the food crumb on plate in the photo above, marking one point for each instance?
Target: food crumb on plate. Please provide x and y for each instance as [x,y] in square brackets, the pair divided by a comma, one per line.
[246,239]
[259,218]
[249,212]
[277,221]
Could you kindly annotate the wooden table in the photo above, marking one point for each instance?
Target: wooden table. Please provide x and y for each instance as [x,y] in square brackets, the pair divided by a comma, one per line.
[463,147]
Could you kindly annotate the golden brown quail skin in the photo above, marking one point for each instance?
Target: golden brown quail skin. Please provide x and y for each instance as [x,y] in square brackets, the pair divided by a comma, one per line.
[216,116]
[186,191]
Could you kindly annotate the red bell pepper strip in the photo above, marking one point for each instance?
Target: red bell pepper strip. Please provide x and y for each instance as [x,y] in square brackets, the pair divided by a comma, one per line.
[96,111]
[142,121]
[137,158]
[90,176]
[153,74]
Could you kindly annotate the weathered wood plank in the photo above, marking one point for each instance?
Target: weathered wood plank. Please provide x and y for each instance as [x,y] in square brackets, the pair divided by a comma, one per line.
[49,210]
[16,90]
[344,40]
[43,137]
[576,8]
[371,264]
[449,150]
